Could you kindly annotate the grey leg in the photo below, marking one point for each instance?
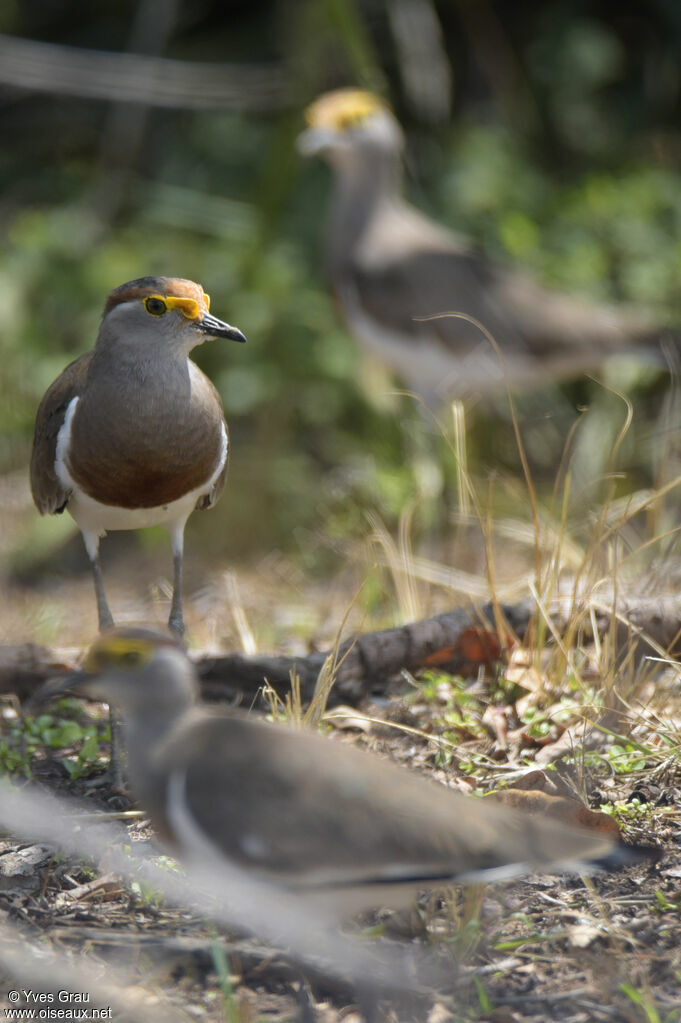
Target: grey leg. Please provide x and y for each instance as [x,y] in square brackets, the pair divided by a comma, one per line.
[176,620]
[105,617]
[116,768]
[306,1013]
[105,622]
[91,541]
[367,1000]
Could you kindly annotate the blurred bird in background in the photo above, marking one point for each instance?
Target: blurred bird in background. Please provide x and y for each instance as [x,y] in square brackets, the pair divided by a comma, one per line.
[446,319]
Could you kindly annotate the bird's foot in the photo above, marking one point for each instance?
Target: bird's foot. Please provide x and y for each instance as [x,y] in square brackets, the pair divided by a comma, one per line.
[106,621]
[176,624]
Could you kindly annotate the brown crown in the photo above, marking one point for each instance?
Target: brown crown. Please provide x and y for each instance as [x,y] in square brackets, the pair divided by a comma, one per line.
[176,287]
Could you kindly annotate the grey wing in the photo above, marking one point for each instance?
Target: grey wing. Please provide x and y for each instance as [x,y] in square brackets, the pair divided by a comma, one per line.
[208,500]
[48,493]
[302,808]
[524,318]
[273,802]
[402,293]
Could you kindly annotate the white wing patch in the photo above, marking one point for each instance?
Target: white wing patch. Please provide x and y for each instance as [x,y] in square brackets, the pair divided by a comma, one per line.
[62,451]
[95,518]
[191,837]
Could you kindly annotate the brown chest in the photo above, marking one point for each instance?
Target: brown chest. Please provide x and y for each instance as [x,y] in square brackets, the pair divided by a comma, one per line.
[147,451]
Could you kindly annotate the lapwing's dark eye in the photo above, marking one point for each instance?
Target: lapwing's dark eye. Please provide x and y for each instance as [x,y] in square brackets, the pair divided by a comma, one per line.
[350,120]
[155,306]
[130,658]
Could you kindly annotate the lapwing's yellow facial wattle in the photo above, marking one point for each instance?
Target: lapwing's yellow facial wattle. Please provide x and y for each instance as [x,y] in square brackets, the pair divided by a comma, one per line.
[343,110]
[118,652]
[159,305]
[349,119]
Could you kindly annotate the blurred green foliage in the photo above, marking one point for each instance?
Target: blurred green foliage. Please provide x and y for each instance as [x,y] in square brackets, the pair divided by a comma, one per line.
[562,154]
[77,735]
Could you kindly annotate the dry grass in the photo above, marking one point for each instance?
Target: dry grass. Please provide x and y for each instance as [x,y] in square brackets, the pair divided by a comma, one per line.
[587,949]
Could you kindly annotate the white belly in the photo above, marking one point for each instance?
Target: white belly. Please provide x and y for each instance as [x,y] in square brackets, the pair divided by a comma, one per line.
[95,519]
[92,516]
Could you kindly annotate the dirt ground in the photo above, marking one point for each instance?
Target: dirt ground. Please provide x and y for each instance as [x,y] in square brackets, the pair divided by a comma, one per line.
[566,948]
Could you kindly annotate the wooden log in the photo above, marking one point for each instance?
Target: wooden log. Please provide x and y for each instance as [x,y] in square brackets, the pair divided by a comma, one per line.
[369,661]
[457,640]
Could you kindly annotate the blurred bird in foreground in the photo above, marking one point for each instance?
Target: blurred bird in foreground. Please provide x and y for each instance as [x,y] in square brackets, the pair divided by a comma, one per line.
[133,434]
[318,818]
[421,298]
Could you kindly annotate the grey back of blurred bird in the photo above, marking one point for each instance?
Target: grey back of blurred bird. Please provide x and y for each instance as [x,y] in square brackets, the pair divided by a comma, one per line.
[292,808]
[393,270]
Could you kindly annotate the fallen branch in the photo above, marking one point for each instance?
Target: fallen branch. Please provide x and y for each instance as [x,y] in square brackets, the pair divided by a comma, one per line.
[456,640]
[370,660]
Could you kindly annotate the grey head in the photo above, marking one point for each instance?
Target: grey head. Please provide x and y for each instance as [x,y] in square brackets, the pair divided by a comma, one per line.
[350,125]
[152,313]
[144,674]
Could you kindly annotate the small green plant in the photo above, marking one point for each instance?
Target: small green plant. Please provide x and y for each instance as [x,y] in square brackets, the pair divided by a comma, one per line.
[462,710]
[627,812]
[531,935]
[664,905]
[626,758]
[87,759]
[483,998]
[232,1010]
[538,724]
[506,690]
[644,1000]
[436,687]
[27,737]
[13,760]
[145,893]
